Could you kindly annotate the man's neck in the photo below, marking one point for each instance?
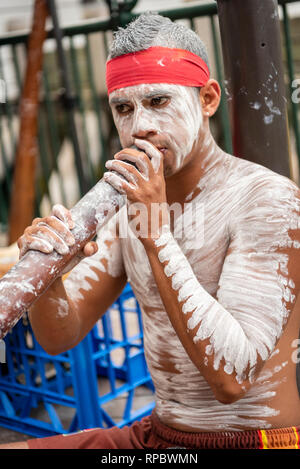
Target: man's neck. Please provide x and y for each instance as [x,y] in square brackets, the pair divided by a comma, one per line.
[206,154]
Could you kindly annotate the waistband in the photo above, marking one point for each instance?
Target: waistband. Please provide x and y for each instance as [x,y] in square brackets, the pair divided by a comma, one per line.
[275,438]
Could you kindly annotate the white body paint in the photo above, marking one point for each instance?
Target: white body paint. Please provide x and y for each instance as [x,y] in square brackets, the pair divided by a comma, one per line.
[240,307]
[109,251]
[62,307]
[246,206]
[239,304]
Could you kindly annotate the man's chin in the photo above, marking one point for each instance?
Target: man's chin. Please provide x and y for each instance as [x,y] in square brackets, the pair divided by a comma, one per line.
[169,171]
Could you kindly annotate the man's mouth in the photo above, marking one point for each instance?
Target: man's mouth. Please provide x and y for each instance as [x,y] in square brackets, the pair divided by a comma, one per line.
[162,149]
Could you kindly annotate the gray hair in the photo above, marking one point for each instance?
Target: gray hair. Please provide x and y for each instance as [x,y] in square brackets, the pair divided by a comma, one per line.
[150,29]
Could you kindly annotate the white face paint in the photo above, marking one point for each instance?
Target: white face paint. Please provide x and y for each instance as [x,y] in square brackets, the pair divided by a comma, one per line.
[168,116]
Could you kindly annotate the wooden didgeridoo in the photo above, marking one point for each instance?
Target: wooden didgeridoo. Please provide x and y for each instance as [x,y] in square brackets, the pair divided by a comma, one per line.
[36,271]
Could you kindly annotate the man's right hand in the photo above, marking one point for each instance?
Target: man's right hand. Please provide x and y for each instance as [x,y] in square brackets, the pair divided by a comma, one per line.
[53,233]
[56,329]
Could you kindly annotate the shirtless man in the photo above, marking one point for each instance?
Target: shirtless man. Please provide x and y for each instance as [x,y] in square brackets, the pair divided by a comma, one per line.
[219,315]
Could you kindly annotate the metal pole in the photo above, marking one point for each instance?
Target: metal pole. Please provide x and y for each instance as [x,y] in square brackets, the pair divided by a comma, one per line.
[251,42]
[291,73]
[68,99]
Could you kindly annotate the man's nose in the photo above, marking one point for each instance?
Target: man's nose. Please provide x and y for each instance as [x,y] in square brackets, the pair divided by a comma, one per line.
[143,126]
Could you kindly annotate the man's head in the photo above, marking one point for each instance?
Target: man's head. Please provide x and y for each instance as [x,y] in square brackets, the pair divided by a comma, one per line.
[170,112]
[150,30]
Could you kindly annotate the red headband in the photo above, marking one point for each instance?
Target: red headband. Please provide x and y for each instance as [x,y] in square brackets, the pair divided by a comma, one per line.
[156,65]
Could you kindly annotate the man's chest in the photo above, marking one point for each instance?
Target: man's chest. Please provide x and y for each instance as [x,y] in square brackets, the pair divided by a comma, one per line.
[201,231]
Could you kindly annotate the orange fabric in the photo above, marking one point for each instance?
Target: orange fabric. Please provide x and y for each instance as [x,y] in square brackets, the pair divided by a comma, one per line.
[150,433]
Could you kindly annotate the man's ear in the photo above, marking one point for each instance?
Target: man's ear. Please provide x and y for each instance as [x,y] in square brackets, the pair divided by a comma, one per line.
[210,96]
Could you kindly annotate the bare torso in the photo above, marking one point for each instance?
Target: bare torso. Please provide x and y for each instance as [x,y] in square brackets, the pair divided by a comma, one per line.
[184,400]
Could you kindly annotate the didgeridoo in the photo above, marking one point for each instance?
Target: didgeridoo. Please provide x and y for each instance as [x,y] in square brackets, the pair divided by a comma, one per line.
[36,271]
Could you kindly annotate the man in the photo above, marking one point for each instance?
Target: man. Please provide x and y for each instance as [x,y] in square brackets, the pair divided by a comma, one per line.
[219,315]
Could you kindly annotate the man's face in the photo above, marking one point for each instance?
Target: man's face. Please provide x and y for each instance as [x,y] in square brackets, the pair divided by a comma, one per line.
[168,116]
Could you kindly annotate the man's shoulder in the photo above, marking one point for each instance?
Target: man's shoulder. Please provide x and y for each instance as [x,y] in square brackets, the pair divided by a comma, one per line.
[252,179]
[259,196]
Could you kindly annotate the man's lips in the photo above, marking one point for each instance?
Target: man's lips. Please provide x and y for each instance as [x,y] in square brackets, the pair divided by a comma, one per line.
[162,149]
[157,144]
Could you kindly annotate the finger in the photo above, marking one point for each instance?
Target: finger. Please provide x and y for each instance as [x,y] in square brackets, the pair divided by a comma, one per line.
[129,172]
[140,159]
[63,214]
[35,221]
[118,183]
[32,243]
[45,233]
[90,248]
[152,151]
[59,228]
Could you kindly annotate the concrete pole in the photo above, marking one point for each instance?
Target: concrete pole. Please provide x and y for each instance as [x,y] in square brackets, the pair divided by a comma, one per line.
[251,42]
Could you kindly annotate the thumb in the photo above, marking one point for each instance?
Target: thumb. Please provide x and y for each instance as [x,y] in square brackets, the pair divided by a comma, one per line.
[90,249]
[152,151]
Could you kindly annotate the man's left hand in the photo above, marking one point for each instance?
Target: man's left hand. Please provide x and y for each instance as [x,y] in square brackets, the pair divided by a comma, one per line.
[143,184]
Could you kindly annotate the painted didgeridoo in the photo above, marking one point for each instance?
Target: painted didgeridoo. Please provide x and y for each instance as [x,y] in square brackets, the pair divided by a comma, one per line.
[36,271]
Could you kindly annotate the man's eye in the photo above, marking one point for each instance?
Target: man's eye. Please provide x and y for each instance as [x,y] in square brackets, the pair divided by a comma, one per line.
[123,108]
[159,101]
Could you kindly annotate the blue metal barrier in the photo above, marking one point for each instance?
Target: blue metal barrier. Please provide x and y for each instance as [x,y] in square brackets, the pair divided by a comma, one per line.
[44,395]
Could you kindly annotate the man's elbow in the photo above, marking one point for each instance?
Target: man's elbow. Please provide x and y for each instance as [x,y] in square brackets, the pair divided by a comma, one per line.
[54,351]
[53,348]
[228,393]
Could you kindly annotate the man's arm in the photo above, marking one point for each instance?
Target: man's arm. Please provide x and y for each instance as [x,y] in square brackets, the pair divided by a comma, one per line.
[67,311]
[229,345]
